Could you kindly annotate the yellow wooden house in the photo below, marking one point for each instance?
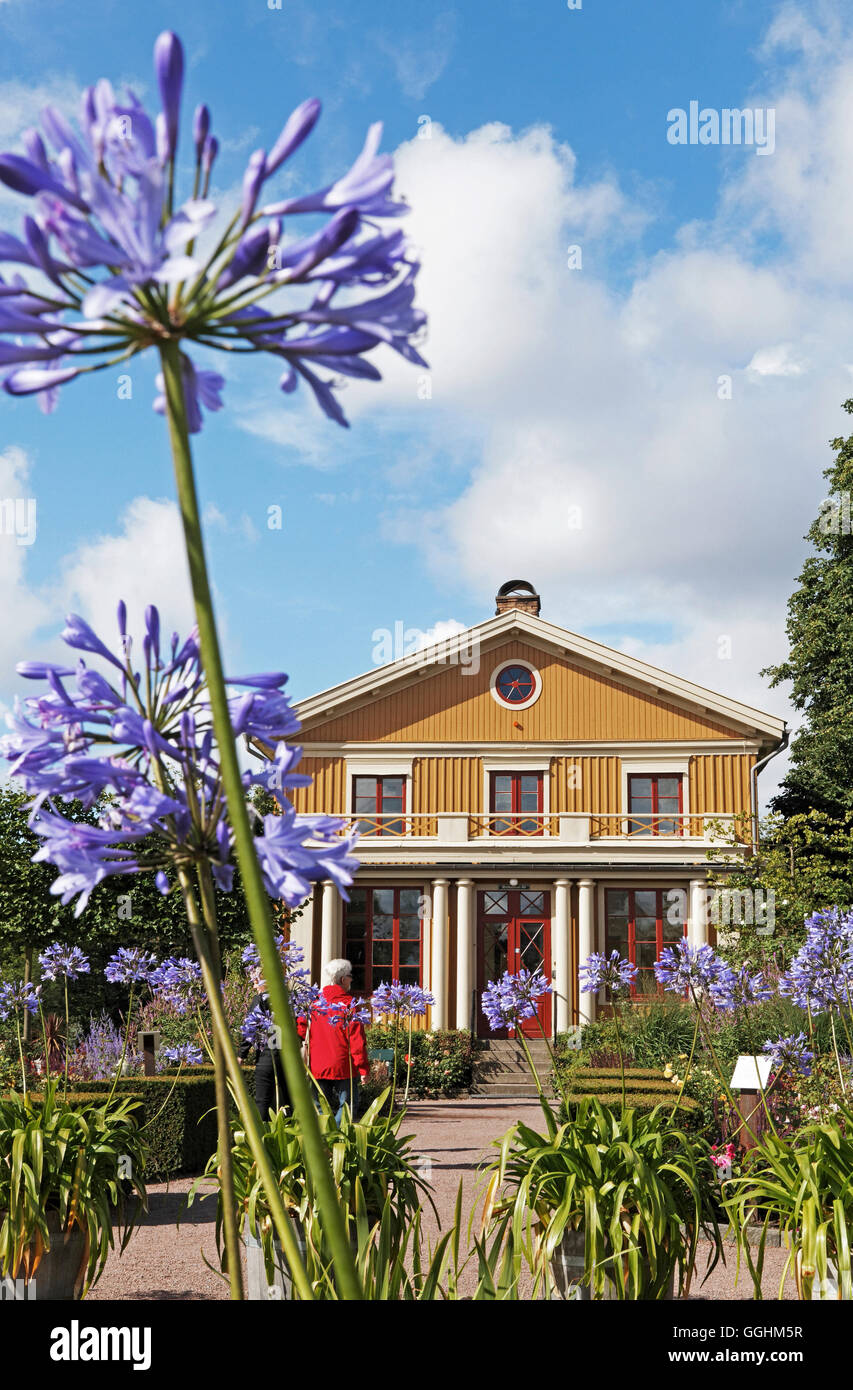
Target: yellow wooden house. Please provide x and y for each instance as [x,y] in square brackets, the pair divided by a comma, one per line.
[525,796]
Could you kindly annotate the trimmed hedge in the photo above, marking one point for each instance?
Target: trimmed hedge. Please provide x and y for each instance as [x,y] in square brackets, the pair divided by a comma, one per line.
[644,1087]
[636,1100]
[178,1119]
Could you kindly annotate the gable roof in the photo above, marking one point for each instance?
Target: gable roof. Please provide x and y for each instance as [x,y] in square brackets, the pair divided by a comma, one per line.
[581,651]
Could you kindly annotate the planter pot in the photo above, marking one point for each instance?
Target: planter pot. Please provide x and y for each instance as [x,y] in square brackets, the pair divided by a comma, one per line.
[258,1287]
[62,1269]
[567,1272]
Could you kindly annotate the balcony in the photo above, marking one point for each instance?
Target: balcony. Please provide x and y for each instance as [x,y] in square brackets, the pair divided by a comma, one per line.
[433,837]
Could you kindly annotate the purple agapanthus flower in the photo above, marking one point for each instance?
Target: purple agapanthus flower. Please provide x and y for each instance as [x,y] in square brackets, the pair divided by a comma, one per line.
[137,745]
[514,998]
[258,1028]
[16,996]
[128,267]
[684,967]
[790,1054]
[820,977]
[61,962]
[402,1001]
[178,981]
[611,972]
[738,988]
[344,1015]
[130,965]
[184,1054]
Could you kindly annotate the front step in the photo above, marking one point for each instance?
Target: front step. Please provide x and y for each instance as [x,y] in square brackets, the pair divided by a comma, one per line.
[502,1071]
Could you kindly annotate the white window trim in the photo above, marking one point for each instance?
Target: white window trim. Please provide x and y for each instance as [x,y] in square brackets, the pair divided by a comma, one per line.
[668,765]
[510,763]
[528,666]
[376,765]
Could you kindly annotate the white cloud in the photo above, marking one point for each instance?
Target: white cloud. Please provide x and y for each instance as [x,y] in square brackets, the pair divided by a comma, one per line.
[143,562]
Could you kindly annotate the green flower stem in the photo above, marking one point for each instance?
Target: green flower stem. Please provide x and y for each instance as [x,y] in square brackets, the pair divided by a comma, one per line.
[120,1066]
[245,1104]
[554,1064]
[619,1049]
[408,1062]
[67,1037]
[21,1052]
[257,901]
[687,1068]
[44,1040]
[223,1119]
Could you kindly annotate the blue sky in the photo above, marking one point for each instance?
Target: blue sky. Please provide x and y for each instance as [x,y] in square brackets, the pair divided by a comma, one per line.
[550,388]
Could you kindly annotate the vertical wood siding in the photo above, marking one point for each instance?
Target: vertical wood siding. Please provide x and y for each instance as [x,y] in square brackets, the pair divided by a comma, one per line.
[720,782]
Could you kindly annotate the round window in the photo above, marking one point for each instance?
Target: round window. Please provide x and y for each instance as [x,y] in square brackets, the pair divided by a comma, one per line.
[516,684]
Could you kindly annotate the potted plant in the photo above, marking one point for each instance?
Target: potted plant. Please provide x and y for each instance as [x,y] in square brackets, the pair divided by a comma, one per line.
[67,1168]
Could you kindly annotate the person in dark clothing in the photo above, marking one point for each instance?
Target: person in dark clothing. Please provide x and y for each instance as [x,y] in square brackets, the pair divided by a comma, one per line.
[271,1091]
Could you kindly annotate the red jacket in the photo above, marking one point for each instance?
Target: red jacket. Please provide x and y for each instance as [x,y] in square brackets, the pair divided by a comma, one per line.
[330,1046]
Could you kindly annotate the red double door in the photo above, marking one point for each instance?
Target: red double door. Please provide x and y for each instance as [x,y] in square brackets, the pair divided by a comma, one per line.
[513,933]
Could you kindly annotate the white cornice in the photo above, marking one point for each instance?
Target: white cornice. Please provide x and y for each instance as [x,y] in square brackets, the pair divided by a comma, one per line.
[621,748]
[580,651]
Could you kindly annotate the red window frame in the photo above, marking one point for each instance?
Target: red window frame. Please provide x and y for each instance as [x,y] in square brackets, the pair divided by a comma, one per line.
[629,949]
[511,822]
[363,971]
[515,704]
[649,822]
[392,827]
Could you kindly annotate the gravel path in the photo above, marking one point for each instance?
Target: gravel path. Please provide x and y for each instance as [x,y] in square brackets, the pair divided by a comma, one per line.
[166,1260]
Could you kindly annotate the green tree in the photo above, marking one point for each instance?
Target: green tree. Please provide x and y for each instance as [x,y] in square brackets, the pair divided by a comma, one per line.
[804,863]
[820,661]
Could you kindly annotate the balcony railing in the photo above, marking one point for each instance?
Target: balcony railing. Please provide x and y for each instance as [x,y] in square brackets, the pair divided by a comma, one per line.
[564,827]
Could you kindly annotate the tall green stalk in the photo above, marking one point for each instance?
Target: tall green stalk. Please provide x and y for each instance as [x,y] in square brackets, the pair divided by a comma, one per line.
[256,896]
[223,1116]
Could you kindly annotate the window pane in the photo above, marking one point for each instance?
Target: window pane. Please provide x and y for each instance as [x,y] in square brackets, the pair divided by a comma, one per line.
[647,954]
[503,782]
[366,786]
[410,953]
[383,926]
[617,937]
[503,801]
[357,901]
[645,929]
[646,904]
[383,952]
[383,901]
[532,902]
[496,902]
[640,787]
[355,952]
[410,901]
[410,928]
[668,786]
[410,974]
[392,786]
[617,902]
[381,975]
[354,929]
[529,801]
[357,977]
[530,783]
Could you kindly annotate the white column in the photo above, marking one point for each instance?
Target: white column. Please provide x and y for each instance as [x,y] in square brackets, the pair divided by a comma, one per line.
[586,941]
[697,926]
[301,930]
[560,951]
[439,952]
[464,950]
[330,946]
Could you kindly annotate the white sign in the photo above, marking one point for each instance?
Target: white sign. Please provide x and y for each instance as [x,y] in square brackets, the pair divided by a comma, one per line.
[751,1073]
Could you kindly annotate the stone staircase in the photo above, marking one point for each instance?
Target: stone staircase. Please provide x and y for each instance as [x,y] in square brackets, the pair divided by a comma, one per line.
[502,1072]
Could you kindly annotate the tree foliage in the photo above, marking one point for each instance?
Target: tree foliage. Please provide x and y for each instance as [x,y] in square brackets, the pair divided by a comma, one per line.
[820,661]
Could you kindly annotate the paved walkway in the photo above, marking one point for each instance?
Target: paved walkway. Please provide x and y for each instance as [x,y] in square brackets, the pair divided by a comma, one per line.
[453,1138]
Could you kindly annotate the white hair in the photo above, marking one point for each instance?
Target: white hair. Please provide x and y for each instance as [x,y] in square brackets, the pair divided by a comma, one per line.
[336,970]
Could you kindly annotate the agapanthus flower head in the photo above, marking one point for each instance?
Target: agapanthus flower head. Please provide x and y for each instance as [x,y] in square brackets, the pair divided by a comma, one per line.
[178,981]
[16,996]
[138,745]
[258,1028]
[130,267]
[683,967]
[820,977]
[342,1015]
[63,962]
[514,998]
[738,988]
[401,1001]
[130,965]
[183,1054]
[790,1054]
[612,972]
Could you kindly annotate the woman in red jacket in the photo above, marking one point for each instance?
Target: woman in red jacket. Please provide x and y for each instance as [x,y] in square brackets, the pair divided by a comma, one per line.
[337,1047]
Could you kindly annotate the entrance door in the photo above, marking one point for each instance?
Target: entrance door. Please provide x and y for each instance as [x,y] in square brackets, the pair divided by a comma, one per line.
[514,933]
